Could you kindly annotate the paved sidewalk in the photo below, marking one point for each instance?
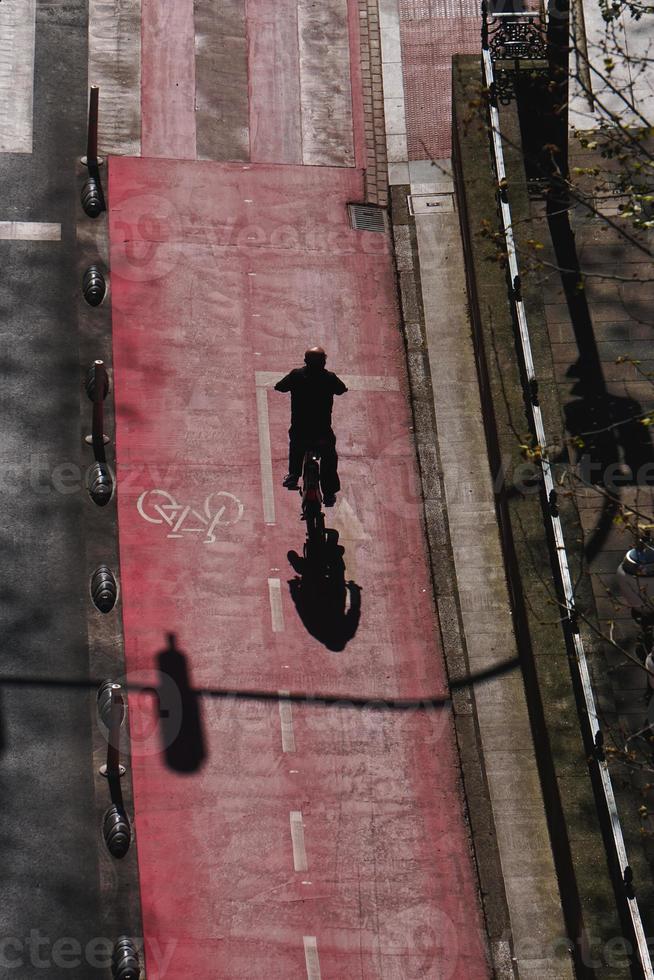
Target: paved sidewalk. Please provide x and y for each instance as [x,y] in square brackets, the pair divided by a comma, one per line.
[432,256]
[418,40]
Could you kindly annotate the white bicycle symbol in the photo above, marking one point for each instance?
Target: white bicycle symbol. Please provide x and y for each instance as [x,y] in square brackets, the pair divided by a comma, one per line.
[160,507]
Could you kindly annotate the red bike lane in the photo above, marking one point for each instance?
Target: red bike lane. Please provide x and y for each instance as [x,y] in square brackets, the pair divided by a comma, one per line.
[278,836]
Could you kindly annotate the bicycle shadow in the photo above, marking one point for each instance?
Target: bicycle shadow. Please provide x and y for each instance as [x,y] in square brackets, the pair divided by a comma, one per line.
[328,605]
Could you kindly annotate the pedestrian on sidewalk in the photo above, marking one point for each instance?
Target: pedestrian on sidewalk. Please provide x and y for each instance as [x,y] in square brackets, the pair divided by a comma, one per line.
[312,389]
[649,666]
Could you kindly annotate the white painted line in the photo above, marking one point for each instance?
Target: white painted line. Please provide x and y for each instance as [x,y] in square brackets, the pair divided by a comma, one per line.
[29,231]
[355,382]
[286,719]
[297,837]
[276,610]
[311,958]
[17,32]
[265,456]
[363,382]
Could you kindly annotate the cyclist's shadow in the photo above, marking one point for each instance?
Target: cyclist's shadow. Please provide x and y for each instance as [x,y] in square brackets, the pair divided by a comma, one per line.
[321,594]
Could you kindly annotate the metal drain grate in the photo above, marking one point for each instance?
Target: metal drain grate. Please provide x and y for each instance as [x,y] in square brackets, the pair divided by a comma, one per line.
[367,217]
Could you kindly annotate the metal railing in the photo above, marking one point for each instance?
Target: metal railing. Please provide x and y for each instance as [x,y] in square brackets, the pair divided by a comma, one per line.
[566,583]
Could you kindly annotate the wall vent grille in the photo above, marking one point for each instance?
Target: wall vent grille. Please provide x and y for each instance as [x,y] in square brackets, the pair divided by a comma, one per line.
[367,217]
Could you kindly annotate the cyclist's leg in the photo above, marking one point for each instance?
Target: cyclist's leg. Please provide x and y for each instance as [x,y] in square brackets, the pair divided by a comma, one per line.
[329,480]
[296,449]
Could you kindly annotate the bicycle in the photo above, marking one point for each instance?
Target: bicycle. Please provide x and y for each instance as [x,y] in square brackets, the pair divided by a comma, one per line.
[312,512]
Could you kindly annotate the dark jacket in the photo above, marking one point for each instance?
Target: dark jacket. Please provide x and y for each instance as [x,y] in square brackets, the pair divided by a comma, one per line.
[312,397]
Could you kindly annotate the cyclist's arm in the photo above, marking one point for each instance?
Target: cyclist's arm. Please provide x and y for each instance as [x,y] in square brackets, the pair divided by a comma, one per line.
[285,384]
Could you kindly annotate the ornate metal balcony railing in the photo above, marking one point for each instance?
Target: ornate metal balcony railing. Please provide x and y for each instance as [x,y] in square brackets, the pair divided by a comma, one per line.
[513,36]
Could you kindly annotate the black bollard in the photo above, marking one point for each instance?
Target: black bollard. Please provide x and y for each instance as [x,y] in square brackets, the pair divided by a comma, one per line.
[104,701]
[100,484]
[92,197]
[117,831]
[104,589]
[125,960]
[94,286]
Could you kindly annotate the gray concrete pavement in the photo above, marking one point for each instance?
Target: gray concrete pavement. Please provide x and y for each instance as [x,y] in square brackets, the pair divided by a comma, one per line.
[49,909]
[522,901]
[530,945]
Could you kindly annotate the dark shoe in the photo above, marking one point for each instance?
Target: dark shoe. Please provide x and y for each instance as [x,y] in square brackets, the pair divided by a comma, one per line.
[329,499]
[290,482]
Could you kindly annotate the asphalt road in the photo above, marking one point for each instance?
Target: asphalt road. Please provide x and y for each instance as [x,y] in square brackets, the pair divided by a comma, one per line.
[49,907]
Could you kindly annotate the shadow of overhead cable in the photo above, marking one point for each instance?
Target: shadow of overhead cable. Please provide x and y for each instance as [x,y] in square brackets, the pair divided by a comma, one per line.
[316,698]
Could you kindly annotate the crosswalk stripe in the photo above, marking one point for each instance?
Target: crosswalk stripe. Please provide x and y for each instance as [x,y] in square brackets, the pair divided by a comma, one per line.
[17,31]
[29,231]
[115,66]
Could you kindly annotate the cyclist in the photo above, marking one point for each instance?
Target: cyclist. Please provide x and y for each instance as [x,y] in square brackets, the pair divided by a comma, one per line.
[312,390]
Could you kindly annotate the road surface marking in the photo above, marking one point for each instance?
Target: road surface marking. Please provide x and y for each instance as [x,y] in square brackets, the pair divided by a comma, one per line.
[17,34]
[311,958]
[168,83]
[267,379]
[115,66]
[265,457]
[297,837]
[325,86]
[355,382]
[222,79]
[29,231]
[286,719]
[162,507]
[276,610]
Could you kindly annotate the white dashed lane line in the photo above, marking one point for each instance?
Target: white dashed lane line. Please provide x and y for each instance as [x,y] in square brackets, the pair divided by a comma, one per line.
[276,610]
[286,719]
[297,838]
[265,457]
[311,958]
